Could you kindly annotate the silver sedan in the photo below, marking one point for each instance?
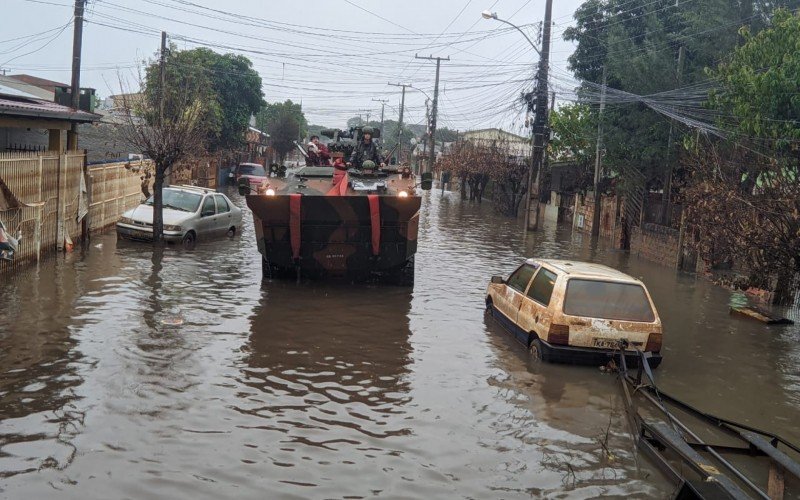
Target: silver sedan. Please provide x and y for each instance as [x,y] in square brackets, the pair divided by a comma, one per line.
[190,213]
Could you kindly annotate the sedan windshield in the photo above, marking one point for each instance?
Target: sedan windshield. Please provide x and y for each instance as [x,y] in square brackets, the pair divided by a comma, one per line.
[252,170]
[179,200]
[607,300]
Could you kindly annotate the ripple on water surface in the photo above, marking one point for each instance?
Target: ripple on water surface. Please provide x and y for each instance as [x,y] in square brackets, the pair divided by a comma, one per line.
[179,374]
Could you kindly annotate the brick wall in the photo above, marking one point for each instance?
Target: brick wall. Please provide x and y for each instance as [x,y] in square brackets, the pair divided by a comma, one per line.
[584,214]
[656,243]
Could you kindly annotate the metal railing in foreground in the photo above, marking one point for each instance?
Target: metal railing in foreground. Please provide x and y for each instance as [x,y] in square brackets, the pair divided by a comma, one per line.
[729,462]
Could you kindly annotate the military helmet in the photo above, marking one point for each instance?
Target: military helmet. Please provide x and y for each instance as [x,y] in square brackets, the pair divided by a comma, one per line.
[369,164]
[368,130]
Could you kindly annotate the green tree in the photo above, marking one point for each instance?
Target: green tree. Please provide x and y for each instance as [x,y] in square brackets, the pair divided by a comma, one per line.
[744,196]
[638,45]
[574,134]
[285,123]
[227,84]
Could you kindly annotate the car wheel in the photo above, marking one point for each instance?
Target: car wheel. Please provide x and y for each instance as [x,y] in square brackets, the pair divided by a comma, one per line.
[231,232]
[535,348]
[189,239]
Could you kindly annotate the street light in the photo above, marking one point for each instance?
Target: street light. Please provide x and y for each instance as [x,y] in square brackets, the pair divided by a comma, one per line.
[493,15]
[538,142]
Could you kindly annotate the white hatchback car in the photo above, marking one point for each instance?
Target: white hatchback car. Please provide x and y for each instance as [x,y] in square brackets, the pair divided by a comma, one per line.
[577,312]
[190,213]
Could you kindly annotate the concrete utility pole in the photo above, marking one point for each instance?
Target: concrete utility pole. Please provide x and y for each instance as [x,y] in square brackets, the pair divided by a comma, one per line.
[665,198]
[162,78]
[597,163]
[435,108]
[540,128]
[77,41]
[400,125]
[383,105]
[162,91]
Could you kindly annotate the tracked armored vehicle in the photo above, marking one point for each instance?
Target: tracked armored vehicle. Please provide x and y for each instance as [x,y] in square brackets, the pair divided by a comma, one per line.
[348,222]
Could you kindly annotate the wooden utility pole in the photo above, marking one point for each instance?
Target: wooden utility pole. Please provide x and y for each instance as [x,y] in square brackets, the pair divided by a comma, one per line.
[540,128]
[75,87]
[596,212]
[434,109]
[400,125]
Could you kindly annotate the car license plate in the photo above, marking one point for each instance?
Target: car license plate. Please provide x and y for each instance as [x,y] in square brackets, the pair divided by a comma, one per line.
[141,234]
[606,343]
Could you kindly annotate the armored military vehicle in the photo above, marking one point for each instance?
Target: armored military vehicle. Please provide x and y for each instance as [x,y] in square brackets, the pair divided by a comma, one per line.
[339,221]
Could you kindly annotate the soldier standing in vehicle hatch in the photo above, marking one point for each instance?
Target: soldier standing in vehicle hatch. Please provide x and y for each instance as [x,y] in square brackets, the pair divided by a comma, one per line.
[366,149]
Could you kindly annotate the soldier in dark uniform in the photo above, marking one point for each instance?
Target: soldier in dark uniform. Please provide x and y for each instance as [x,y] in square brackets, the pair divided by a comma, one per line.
[366,149]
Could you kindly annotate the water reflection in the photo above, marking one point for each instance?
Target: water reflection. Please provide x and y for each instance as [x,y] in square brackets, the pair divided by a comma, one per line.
[180,375]
[575,418]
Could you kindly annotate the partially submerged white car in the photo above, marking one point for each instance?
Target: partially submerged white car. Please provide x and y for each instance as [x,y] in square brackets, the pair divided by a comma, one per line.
[190,213]
[577,312]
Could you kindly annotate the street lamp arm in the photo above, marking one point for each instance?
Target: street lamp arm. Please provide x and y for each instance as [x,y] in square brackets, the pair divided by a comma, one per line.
[520,30]
[417,88]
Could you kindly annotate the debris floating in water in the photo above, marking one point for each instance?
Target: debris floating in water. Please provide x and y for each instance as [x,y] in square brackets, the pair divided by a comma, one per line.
[760,315]
[172,321]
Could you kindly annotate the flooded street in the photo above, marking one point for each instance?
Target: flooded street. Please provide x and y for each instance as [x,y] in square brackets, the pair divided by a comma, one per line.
[126,373]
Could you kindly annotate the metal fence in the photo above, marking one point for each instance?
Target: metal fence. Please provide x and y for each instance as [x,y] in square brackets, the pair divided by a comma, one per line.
[46,186]
[114,188]
[45,197]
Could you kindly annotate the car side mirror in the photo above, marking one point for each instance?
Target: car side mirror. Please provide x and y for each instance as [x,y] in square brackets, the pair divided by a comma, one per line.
[498,280]
[427,181]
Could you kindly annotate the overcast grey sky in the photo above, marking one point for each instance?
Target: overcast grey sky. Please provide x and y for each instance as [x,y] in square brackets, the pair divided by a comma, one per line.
[335,56]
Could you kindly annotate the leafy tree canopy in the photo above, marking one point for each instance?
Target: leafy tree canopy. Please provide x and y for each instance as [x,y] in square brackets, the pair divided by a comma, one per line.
[758,85]
[285,123]
[230,90]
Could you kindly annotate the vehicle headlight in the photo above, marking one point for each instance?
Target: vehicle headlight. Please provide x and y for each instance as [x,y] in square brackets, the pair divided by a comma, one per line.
[126,220]
[403,194]
[170,227]
[269,192]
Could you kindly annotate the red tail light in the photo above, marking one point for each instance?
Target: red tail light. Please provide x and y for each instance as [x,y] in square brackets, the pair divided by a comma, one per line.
[654,342]
[558,334]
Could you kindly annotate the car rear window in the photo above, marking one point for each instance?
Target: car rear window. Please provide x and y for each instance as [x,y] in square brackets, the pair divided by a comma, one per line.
[252,170]
[607,300]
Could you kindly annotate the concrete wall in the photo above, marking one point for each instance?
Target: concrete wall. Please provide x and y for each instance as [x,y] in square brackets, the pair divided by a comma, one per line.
[656,243]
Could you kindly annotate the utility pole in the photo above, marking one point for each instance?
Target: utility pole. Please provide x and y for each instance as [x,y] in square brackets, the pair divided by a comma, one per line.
[162,78]
[665,198]
[77,41]
[596,213]
[162,91]
[400,125]
[435,108]
[383,105]
[540,132]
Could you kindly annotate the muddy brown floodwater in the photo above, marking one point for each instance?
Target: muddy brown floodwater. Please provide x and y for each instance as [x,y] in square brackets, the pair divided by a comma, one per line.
[126,373]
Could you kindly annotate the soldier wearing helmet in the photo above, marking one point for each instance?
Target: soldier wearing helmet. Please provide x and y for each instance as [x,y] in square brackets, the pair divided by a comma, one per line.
[365,150]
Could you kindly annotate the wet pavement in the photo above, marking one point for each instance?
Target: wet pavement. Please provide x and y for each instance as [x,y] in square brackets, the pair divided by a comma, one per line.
[126,373]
